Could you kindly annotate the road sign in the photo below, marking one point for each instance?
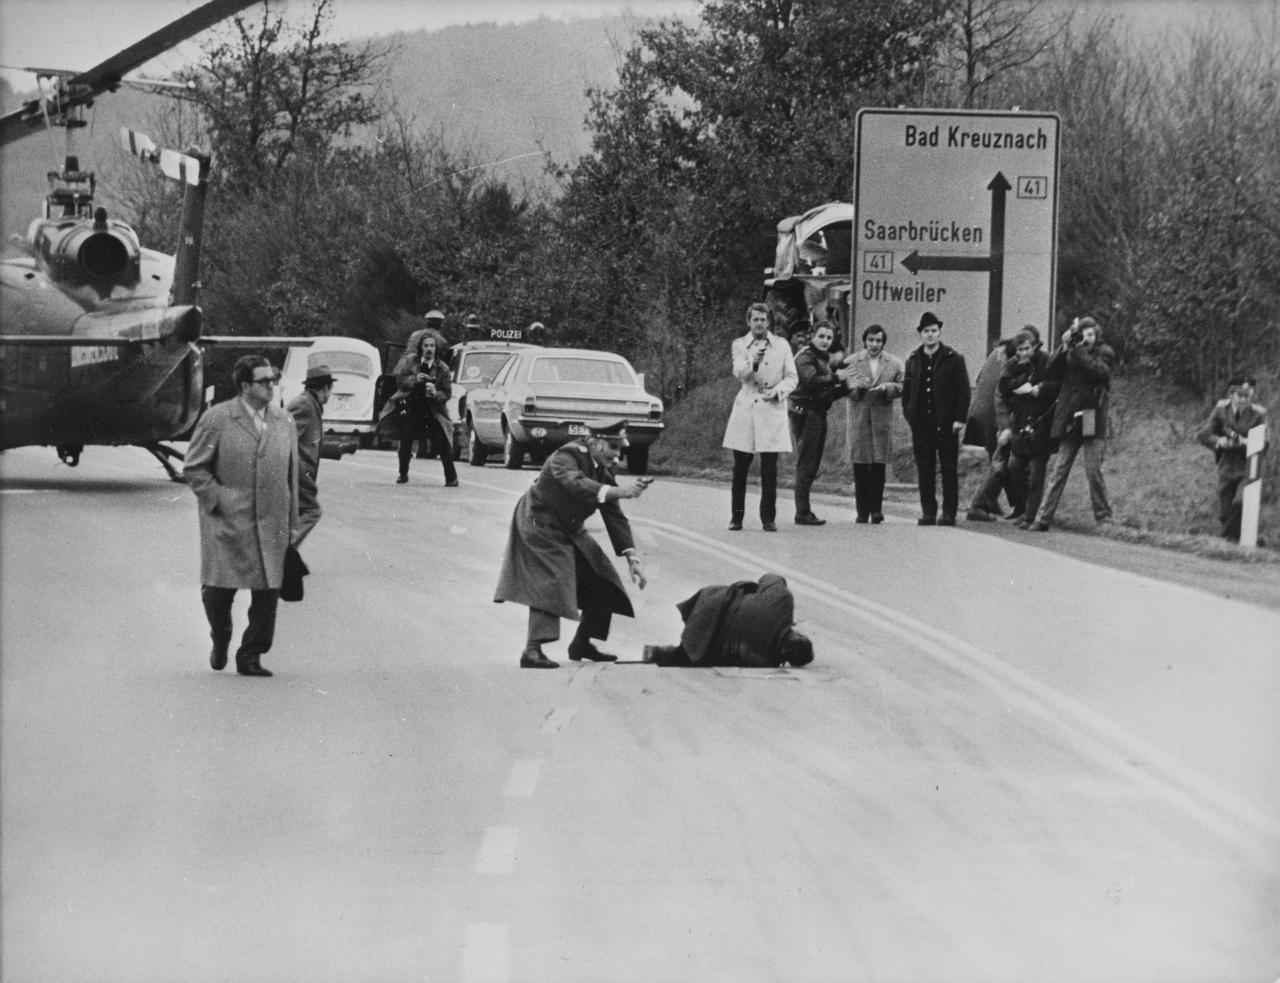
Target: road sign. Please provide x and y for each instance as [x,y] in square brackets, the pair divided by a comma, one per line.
[955,213]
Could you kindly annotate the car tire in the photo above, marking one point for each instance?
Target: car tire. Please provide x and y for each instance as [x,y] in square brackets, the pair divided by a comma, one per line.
[638,459]
[512,453]
[476,453]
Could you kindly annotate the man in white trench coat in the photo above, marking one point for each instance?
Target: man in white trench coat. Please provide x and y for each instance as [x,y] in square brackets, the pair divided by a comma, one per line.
[765,366]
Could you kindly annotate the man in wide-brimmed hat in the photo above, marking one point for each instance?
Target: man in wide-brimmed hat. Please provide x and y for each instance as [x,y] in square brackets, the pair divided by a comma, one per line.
[553,565]
[308,416]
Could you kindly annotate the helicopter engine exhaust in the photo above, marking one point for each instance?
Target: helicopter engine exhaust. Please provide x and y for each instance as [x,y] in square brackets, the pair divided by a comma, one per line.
[100,256]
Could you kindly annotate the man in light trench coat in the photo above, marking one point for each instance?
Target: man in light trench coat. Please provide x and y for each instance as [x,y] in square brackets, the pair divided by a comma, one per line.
[874,378]
[766,367]
[242,464]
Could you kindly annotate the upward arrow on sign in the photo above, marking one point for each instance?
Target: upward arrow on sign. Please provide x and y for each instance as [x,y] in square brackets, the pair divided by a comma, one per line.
[992,263]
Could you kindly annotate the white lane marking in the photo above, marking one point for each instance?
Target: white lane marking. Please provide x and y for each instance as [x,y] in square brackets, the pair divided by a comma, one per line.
[1089,731]
[484,954]
[498,850]
[557,720]
[523,780]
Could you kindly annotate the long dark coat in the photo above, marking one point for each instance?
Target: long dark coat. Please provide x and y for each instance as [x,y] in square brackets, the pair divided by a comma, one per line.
[739,624]
[308,418]
[246,487]
[405,413]
[1084,375]
[951,390]
[551,562]
[1030,416]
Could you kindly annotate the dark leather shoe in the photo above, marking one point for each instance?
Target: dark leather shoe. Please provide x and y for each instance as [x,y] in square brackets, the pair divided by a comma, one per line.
[534,659]
[252,669]
[926,520]
[862,520]
[769,526]
[1039,527]
[402,480]
[735,525]
[218,658]
[947,520]
[811,520]
[877,518]
[579,651]
[451,484]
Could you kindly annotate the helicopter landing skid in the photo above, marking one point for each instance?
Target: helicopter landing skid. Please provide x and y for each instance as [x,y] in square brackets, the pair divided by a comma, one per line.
[162,453]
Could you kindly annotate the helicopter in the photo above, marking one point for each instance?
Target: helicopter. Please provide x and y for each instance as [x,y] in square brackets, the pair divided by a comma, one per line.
[100,337]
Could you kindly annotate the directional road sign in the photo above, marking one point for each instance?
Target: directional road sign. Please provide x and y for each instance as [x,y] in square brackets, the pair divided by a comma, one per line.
[955,213]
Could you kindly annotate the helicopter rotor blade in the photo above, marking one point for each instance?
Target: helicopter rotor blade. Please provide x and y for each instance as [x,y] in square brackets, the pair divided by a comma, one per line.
[107,76]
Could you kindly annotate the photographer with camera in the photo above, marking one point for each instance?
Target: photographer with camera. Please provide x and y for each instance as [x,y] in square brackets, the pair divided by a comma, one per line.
[1029,397]
[420,405]
[1081,368]
[1225,433]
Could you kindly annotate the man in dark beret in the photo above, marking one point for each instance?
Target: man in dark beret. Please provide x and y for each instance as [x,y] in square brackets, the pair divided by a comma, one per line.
[553,565]
[741,624]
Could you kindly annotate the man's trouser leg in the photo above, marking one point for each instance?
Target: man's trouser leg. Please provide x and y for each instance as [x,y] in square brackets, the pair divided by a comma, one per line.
[261,631]
[405,451]
[1231,506]
[543,627]
[1095,453]
[738,494]
[1067,450]
[443,443]
[809,444]
[862,489]
[768,486]
[594,623]
[925,450]
[217,610]
[949,465]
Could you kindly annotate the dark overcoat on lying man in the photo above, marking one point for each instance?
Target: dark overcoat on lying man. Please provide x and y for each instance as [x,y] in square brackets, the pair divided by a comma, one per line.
[740,624]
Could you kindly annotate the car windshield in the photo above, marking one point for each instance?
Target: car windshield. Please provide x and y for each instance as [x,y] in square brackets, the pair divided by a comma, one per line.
[352,362]
[480,368]
[594,370]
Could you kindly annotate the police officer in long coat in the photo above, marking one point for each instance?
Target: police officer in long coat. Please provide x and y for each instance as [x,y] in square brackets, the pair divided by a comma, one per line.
[554,566]
[242,464]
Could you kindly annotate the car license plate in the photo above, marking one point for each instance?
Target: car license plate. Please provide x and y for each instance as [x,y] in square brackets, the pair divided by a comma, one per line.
[579,430]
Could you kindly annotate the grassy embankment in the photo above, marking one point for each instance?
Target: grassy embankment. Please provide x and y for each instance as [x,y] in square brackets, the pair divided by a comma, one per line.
[1162,483]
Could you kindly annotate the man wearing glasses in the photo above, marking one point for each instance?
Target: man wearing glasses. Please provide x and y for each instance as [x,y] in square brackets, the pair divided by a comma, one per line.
[242,464]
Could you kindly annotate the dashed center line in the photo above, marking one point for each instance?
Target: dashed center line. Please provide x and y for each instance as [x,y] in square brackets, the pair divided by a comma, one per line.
[484,955]
[557,720]
[523,780]
[498,850]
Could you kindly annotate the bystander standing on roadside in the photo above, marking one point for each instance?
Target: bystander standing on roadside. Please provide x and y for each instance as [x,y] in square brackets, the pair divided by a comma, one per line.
[875,380]
[817,388]
[307,409]
[1081,368]
[1226,433]
[935,401]
[764,365]
[988,428]
[1030,399]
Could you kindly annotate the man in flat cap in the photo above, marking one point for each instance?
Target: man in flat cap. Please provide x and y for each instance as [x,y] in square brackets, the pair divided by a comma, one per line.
[308,417]
[553,565]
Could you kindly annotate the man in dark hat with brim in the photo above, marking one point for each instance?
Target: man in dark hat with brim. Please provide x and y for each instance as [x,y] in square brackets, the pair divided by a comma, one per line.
[935,401]
[553,565]
[308,417]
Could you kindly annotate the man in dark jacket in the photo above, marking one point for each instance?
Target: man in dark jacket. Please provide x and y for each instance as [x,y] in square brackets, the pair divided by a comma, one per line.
[1226,433]
[810,400]
[935,400]
[740,624]
[307,409]
[1083,365]
[553,565]
[421,404]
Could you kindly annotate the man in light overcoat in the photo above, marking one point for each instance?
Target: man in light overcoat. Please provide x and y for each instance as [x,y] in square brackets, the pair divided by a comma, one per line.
[875,381]
[242,464]
[766,367]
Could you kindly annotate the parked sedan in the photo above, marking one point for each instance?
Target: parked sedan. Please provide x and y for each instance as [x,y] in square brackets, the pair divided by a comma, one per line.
[545,397]
[475,364]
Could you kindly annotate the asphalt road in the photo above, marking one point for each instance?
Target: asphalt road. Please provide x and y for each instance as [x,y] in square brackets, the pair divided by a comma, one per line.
[1005,764]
